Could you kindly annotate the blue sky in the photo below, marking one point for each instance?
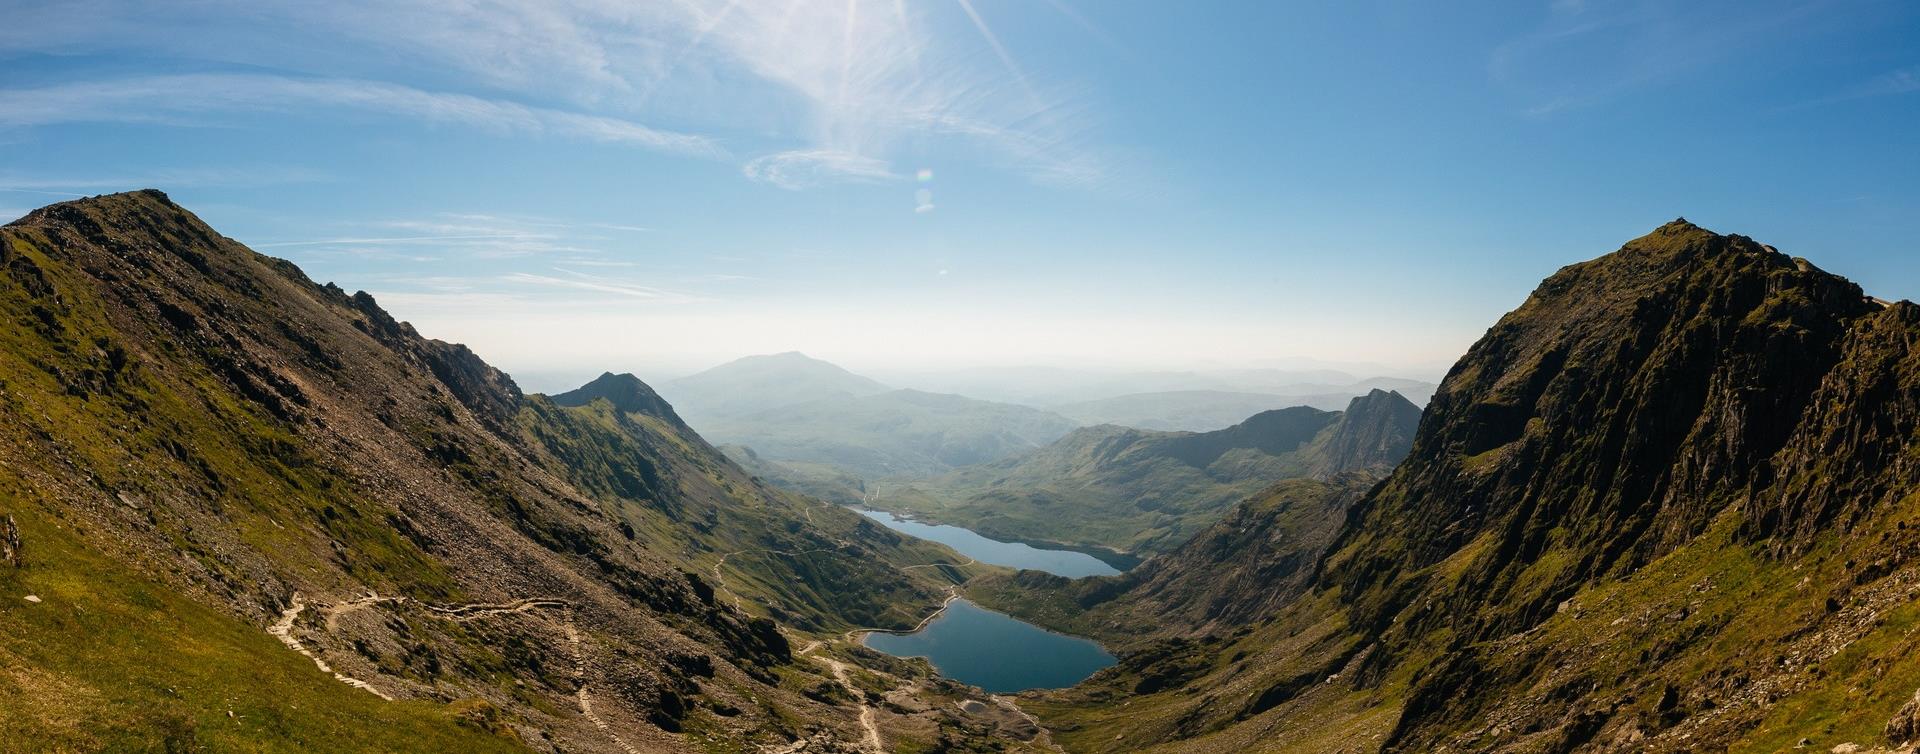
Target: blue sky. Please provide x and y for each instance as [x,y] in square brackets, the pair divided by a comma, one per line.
[657,186]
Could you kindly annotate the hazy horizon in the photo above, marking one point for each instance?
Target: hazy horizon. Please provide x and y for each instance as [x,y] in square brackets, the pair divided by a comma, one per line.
[539,379]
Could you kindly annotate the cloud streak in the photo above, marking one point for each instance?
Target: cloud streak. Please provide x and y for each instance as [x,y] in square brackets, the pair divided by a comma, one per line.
[819,91]
[599,284]
[189,98]
[240,177]
[808,168]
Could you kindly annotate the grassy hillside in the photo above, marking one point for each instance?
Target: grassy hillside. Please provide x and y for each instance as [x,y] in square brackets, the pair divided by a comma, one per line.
[1140,491]
[223,475]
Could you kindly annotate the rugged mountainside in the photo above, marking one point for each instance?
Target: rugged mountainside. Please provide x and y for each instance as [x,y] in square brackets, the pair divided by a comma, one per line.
[209,463]
[1665,505]
[1137,490]
[891,434]
[1241,569]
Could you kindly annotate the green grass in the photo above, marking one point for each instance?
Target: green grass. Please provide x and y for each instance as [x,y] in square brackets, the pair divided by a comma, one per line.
[110,660]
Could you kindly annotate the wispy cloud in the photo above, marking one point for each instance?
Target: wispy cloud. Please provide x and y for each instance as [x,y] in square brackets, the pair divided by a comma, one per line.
[355,241]
[227,177]
[600,284]
[807,168]
[474,235]
[189,99]
[824,91]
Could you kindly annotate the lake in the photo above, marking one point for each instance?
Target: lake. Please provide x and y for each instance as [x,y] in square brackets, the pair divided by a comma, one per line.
[1066,563]
[973,645]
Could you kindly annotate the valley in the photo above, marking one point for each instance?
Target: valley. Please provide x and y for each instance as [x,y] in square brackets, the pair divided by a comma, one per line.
[1599,536]
[959,377]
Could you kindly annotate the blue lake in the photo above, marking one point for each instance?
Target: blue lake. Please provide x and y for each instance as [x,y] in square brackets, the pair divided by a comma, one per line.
[974,645]
[1014,554]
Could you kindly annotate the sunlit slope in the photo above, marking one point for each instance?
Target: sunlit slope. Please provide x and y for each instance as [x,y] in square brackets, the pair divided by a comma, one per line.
[1666,505]
[1142,491]
[200,444]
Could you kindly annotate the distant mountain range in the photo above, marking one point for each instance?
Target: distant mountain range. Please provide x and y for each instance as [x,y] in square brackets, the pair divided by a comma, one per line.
[817,419]
[1208,410]
[1054,387]
[793,409]
[1144,491]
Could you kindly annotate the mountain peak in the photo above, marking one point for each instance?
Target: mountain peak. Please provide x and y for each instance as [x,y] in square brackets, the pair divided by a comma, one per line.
[626,392]
[755,383]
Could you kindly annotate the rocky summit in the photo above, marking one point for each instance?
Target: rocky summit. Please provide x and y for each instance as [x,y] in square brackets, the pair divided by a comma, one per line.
[1665,505]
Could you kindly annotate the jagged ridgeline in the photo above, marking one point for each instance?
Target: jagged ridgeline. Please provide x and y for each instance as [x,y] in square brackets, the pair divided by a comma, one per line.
[1669,504]
[215,474]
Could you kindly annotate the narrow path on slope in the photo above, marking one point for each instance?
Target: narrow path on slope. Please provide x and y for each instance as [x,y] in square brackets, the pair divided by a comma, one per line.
[333,612]
[869,728]
[282,629]
[720,579]
[970,561]
[581,696]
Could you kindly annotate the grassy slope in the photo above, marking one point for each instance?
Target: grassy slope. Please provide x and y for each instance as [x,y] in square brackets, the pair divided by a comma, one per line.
[1110,487]
[111,660]
[814,566]
[168,509]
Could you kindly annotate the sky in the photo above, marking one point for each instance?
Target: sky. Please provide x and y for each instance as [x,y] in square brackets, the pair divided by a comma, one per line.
[656,187]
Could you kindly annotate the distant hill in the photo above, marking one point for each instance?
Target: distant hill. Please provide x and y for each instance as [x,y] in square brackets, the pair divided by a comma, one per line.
[1053,388]
[758,383]
[890,434]
[1146,491]
[1193,410]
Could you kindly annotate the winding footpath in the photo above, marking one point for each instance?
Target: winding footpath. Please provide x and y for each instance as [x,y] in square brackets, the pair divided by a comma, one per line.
[871,740]
[870,729]
[720,580]
[282,629]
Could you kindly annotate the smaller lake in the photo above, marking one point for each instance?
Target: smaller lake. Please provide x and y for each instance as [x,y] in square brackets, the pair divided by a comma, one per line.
[971,644]
[965,541]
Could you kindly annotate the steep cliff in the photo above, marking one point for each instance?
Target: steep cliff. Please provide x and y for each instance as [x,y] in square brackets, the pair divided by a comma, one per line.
[1665,505]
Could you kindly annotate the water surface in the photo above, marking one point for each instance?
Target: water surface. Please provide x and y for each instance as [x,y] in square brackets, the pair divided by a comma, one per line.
[965,541]
[970,644]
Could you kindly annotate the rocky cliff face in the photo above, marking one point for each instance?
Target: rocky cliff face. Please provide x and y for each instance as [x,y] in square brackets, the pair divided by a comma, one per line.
[209,462]
[1607,421]
[1375,432]
[1662,506]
